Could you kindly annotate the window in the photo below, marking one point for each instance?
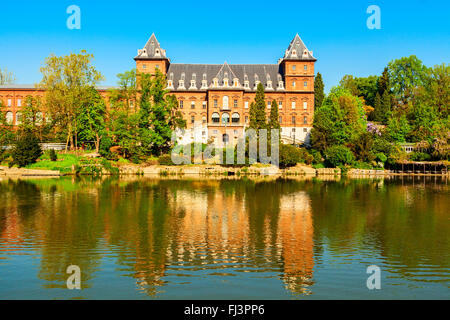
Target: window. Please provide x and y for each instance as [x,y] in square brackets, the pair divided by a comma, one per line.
[269,104]
[215,117]
[203,133]
[246,119]
[19,102]
[144,66]
[215,131]
[246,104]
[9,117]
[181,104]
[293,119]
[235,132]
[305,105]
[204,104]
[305,120]
[225,102]
[235,103]
[235,118]
[215,103]
[305,129]
[18,118]
[293,104]
[192,119]
[280,104]
[294,67]
[305,84]
[192,105]
[293,84]
[204,119]
[280,120]
[9,103]
[305,67]
[225,118]
[157,66]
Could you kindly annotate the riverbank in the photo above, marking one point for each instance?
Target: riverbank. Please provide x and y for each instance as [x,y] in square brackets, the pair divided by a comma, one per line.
[211,170]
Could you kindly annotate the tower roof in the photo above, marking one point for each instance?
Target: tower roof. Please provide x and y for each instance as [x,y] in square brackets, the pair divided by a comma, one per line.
[297,50]
[152,50]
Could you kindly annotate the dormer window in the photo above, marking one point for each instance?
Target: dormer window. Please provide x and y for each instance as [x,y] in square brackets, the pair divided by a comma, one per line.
[236,82]
[269,84]
[294,53]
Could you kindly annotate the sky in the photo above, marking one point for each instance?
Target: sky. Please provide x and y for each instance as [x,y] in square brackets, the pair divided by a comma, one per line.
[237,32]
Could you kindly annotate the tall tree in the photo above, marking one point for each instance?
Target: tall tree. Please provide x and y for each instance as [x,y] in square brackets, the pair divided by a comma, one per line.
[258,110]
[6,77]
[319,94]
[383,83]
[274,120]
[407,75]
[67,81]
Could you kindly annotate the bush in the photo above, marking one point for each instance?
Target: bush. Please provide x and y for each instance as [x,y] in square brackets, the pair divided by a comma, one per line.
[26,149]
[420,156]
[290,155]
[337,156]
[52,155]
[316,156]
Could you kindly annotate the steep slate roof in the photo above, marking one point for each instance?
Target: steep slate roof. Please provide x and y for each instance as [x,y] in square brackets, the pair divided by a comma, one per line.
[254,72]
[297,50]
[152,50]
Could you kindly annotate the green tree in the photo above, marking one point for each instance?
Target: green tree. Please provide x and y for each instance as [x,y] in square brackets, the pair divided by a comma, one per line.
[398,128]
[26,149]
[67,81]
[339,121]
[407,74]
[384,83]
[339,155]
[319,94]
[274,119]
[258,110]
[6,77]
[91,119]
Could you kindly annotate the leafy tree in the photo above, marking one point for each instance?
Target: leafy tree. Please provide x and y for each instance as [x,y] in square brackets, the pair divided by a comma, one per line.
[382,107]
[398,128]
[406,75]
[319,94]
[362,147]
[67,81]
[6,77]
[258,110]
[289,155]
[339,155]
[384,83]
[26,149]
[91,119]
[339,121]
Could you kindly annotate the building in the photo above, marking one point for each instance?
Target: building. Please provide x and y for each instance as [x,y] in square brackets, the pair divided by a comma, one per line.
[215,98]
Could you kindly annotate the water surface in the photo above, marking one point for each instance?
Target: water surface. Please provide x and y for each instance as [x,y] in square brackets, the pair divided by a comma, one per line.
[149,238]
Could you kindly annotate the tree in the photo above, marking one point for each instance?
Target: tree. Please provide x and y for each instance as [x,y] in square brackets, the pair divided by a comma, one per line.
[384,83]
[398,128]
[26,149]
[6,131]
[382,107]
[258,110]
[338,121]
[319,94]
[274,120]
[406,75]
[338,155]
[67,81]
[91,119]
[6,77]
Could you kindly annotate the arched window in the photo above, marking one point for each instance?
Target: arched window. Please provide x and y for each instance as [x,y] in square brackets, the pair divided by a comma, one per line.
[225,118]
[225,138]
[215,117]
[18,118]
[9,117]
[235,118]
[204,119]
[225,102]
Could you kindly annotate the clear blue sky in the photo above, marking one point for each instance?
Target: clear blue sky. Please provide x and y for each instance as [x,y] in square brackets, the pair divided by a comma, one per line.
[217,31]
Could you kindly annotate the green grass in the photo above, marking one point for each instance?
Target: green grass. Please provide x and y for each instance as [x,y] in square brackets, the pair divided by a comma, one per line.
[64,163]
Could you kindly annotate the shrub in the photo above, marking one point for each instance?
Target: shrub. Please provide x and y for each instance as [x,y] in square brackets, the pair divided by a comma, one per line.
[420,156]
[316,156]
[289,155]
[336,156]
[26,149]
[52,155]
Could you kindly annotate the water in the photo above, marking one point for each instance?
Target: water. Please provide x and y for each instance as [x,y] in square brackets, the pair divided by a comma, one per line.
[147,238]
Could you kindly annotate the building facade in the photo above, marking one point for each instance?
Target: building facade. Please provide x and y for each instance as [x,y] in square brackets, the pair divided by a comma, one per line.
[215,99]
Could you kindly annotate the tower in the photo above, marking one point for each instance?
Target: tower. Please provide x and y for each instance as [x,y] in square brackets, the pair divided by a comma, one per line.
[152,57]
[298,67]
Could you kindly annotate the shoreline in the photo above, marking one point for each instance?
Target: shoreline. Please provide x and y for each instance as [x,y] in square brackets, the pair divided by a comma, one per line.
[216,170]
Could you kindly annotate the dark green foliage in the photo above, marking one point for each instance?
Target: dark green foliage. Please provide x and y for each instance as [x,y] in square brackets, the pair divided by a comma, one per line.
[258,110]
[26,149]
[362,147]
[289,155]
[319,94]
[274,120]
[420,156]
[52,155]
[339,155]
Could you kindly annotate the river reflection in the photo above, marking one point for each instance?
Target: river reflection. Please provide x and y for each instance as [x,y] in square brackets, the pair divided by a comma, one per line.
[224,238]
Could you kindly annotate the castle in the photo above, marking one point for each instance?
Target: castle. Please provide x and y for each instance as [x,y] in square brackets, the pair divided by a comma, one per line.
[215,99]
